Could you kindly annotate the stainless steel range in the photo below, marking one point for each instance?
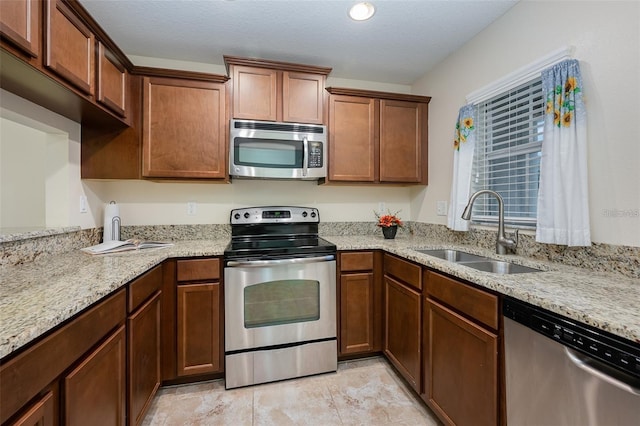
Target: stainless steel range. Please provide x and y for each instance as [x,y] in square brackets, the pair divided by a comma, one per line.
[280,296]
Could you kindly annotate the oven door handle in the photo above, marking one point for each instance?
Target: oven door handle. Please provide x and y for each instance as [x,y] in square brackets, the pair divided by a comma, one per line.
[296,261]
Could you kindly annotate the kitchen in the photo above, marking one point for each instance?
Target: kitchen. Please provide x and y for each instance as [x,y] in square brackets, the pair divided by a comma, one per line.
[608,50]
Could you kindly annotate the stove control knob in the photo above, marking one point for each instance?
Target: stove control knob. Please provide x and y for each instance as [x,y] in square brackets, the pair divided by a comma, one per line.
[304,214]
[313,214]
[236,216]
[246,215]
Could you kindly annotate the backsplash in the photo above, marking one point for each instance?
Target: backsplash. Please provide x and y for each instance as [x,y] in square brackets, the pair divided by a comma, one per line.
[15,251]
[624,260]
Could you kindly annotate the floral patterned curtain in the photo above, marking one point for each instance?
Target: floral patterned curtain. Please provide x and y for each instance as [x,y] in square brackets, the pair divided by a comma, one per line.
[463,144]
[563,208]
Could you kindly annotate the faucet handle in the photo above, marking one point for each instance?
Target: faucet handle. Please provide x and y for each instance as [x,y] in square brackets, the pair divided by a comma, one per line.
[515,238]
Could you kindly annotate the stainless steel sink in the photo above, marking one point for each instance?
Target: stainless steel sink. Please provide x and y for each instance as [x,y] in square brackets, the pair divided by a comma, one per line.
[480,263]
[499,267]
[453,255]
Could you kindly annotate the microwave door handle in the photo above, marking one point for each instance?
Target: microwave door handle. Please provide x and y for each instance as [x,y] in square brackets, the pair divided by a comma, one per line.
[305,155]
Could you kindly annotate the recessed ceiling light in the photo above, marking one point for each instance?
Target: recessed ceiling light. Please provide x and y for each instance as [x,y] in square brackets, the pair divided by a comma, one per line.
[361,11]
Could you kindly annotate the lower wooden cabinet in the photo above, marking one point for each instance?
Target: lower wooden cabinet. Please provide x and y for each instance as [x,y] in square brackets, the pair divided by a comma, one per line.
[94,391]
[41,413]
[144,358]
[403,317]
[199,332]
[461,371]
[402,330]
[360,303]
[198,329]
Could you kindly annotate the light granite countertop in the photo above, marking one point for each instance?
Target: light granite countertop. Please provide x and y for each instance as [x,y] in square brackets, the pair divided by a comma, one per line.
[36,297]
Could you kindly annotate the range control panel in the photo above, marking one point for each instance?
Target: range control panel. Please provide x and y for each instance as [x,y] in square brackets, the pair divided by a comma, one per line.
[263,215]
[616,351]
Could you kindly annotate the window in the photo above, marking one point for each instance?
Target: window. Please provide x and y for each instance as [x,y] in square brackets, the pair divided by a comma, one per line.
[509,137]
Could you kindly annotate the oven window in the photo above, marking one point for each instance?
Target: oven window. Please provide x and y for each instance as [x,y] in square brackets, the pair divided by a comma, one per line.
[271,153]
[281,302]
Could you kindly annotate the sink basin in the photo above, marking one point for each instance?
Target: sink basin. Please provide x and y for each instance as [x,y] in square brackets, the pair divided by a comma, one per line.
[453,255]
[500,267]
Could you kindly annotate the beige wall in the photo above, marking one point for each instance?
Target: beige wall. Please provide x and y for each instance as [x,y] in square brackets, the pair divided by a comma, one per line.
[40,168]
[606,38]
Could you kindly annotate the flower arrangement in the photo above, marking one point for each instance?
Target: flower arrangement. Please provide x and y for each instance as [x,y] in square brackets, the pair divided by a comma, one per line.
[388,220]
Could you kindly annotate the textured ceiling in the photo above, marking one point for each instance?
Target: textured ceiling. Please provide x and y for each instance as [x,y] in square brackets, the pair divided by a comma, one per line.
[402,41]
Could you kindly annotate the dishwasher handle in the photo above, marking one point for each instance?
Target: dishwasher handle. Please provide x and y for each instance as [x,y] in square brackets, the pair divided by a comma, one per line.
[589,365]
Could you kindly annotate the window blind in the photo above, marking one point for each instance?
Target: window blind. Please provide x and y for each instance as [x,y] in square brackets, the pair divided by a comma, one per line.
[507,155]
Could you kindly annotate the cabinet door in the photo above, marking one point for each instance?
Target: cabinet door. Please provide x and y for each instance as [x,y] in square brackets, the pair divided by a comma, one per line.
[144,357]
[184,129]
[461,377]
[70,46]
[41,413]
[302,97]
[255,93]
[95,389]
[401,133]
[198,326]
[112,81]
[403,330]
[353,139]
[357,311]
[20,23]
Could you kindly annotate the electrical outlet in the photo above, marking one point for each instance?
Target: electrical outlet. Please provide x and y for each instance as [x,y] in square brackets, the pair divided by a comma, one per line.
[382,207]
[441,208]
[191,208]
[83,204]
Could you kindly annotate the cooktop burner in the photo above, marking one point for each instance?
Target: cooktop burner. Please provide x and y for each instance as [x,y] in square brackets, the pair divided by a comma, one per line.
[269,232]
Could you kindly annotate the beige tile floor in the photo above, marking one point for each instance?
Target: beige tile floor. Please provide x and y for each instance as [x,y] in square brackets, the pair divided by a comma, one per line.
[363,392]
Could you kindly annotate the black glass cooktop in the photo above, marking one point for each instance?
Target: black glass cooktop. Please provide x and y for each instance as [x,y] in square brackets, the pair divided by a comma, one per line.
[270,247]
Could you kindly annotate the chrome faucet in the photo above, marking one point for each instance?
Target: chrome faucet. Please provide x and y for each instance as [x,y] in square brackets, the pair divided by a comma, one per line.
[502,242]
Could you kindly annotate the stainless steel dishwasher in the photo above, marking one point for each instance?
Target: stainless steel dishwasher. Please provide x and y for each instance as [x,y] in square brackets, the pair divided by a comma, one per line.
[561,372]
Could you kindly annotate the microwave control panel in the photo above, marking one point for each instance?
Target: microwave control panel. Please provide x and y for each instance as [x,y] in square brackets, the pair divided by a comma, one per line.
[315,154]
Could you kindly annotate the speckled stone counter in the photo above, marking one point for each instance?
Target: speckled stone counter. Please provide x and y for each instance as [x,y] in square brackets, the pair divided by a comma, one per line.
[37,296]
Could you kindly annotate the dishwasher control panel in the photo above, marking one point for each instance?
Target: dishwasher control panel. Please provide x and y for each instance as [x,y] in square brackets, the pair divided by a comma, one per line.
[614,350]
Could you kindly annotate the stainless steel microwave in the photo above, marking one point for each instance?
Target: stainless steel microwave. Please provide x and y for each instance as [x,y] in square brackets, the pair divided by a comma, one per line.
[273,150]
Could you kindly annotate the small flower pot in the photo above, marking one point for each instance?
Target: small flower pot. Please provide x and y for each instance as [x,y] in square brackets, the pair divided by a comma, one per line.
[389,232]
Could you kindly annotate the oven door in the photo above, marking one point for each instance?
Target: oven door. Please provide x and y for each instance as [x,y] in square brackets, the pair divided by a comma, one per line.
[279,302]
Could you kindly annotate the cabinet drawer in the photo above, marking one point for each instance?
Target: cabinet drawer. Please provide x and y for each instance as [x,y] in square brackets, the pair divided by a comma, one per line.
[356,261]
[475,303]
[408,272]
[143,287]
[198,269]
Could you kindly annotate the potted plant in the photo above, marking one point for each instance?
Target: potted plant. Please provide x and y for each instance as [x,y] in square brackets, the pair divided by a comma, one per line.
[389,224]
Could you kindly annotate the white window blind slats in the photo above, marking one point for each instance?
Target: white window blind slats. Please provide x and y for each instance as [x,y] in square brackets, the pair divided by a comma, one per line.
[507,156]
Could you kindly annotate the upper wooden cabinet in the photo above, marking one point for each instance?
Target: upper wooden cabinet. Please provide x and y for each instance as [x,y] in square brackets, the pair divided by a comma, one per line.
[70,46]
[20,25]
[184,132]
[353,139]
[277,91]
[112,81]
[377,137]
